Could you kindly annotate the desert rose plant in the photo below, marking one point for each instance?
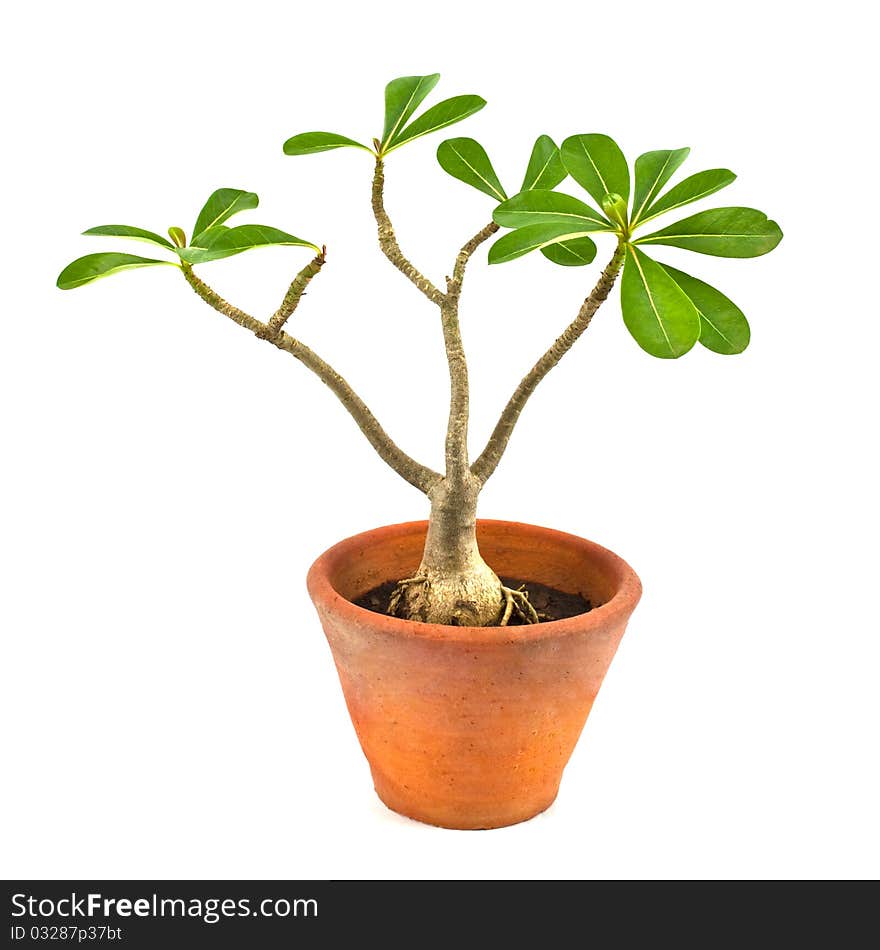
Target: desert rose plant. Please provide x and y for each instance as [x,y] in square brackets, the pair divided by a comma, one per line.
[666,310]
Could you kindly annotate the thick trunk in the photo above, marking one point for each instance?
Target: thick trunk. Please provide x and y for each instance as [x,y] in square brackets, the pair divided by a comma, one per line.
[453,584]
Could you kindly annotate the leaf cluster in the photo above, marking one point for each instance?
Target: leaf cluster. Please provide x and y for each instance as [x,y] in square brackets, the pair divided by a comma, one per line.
[666,310]
[403,97]
[211,240]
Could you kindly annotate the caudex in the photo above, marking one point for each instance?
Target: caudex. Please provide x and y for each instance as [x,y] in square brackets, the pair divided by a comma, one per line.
[666,310]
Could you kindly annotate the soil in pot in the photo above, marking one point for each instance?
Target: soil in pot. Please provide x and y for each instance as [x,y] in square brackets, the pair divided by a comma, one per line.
[549,602]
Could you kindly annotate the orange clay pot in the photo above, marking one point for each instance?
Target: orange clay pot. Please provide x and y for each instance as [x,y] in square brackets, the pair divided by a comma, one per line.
[471,727]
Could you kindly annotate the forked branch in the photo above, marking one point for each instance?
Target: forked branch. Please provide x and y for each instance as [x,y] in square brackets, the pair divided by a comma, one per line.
[464,255]
[295,292]
[388,240]
[457,463]
[418,475]
[488,461]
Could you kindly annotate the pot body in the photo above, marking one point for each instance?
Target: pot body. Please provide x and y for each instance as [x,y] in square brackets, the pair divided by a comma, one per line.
[471,727]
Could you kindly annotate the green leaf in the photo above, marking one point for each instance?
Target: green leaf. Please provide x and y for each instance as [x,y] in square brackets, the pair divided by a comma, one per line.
[224,203]
[691,189]
[125,231]
[178,237]
[466,160]
[438,117]
[656,311]
[207,237]
[402,97]
[228,241]
[308,143]
[574,253]
[545,169]
[549,207]
[721,232]
[86,269]
[653,170]
[597,164]
[535,237]
[723,326]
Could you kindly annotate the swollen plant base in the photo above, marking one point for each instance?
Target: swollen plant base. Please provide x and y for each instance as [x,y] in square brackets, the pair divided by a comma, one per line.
[549,603]
[471,727]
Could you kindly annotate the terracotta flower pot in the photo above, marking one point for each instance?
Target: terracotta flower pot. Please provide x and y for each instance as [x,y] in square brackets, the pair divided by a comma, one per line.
[471,727]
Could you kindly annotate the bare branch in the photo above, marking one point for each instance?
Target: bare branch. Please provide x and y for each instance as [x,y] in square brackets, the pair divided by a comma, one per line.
[418,475]
[464,255]
[295,292]
[457,465]
[388,241]
[488,461]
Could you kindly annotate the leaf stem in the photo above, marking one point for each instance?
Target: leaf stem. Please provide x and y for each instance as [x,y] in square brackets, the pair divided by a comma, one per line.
[295,292]
[488,460]
[388,240]
[464,255]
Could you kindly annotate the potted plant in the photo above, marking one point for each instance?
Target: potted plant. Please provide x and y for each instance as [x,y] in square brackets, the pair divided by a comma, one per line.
[470,652]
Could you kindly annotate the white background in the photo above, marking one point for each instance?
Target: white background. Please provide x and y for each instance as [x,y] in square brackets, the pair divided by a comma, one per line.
[169,704]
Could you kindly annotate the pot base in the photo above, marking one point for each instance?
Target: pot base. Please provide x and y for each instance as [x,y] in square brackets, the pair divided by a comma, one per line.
[452,816]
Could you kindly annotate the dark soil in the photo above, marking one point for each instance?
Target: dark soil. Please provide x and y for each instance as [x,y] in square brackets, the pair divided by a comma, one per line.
[550,604]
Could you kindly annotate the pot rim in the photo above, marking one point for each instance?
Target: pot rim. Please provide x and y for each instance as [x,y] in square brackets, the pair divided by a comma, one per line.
[328,598]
